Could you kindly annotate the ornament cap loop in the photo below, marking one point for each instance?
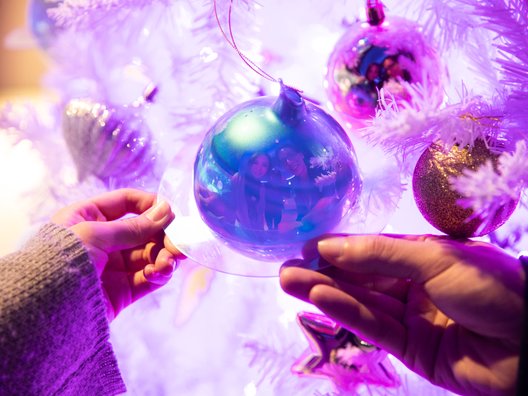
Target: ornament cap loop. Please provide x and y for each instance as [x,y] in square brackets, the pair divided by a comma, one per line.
[375,13]
[289,106]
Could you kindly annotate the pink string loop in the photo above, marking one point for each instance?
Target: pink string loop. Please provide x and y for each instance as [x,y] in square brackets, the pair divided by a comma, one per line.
[232,42]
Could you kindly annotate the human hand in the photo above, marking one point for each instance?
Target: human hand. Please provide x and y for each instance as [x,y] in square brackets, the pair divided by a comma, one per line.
[450,310]
[131,256]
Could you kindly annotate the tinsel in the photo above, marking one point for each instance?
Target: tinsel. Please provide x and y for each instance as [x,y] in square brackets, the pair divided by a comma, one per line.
[83,14]
[487,190]
[412,125]
[408,128]
[509,21]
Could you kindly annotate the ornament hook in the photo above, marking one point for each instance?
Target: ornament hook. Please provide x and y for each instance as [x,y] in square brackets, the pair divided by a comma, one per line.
[375,13]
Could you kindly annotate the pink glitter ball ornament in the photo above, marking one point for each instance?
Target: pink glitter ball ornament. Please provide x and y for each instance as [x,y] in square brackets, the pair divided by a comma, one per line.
[380,53]
[438,201]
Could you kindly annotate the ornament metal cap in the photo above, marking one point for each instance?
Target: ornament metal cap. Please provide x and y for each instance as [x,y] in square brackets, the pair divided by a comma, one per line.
[375,13]
[289,106]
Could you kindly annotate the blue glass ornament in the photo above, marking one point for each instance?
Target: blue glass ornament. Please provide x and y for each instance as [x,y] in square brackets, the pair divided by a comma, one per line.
[273,173]
[43,28]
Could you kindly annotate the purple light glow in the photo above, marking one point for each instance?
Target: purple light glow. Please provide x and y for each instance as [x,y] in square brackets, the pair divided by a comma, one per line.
[208,333]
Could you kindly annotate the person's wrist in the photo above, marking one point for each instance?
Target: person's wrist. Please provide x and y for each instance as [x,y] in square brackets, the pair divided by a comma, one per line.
[97,256]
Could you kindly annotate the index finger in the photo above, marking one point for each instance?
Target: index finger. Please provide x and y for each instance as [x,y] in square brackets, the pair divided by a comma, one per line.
[115,204]
[173,249]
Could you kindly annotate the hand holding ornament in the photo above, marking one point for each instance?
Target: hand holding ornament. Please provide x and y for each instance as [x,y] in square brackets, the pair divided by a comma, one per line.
[450,310]
[132,256]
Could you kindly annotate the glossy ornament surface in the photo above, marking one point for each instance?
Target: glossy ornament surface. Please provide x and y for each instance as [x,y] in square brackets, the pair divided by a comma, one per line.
[369,57]
[113,144]
[436,199]
[273,173]
[270,174]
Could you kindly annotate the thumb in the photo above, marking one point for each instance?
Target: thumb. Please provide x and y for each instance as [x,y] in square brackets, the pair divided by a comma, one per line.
[130,232]
[413,257]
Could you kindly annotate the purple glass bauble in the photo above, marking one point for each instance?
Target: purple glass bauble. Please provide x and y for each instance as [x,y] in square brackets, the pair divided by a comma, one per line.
[368,58]
[273,173]
[111,143]
[43,28]
[436,199]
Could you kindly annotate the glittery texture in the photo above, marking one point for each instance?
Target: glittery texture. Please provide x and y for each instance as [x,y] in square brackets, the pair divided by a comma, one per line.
[489,188]
[436,199]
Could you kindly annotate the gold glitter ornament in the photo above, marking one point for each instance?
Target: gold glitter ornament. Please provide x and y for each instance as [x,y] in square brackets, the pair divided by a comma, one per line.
[436,199]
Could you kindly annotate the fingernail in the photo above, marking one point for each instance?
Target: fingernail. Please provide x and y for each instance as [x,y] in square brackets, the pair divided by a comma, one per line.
[154,277]
[170,268]
[331,248]
[160,211]
[291,263]
[314,264]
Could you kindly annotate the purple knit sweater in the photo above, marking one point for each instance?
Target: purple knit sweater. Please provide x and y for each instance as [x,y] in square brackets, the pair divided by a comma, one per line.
[53,327]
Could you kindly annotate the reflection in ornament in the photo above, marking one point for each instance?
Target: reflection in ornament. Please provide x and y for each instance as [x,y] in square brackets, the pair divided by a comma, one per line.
[273,173]
[339,355]
[378,54]
[437,200]
[113,144]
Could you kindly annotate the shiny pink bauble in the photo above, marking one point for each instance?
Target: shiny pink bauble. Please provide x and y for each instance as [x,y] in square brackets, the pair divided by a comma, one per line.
[368,58]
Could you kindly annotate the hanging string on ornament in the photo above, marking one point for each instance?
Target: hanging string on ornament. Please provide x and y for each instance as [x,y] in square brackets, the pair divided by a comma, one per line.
[231,40]
[381,53]
[270,174]
[251,64]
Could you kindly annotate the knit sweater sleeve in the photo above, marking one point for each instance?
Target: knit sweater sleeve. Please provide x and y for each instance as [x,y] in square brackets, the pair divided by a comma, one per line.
[54,335]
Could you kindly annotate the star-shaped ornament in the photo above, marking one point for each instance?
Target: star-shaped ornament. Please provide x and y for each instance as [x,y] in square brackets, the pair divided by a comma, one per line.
[339,355]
